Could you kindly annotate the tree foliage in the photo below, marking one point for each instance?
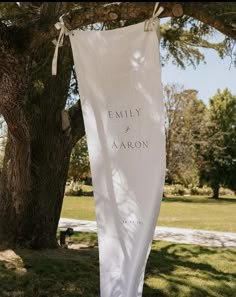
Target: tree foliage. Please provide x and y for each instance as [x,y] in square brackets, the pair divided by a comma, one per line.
[218,147]
[184,114]
[79,161]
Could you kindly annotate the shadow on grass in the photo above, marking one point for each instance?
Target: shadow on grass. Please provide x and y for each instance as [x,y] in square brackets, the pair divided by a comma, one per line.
[199,199]
[49,273]
[188,271]
[172,271]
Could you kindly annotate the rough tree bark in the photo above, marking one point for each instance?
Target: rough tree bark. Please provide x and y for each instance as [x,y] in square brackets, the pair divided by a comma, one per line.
[39,144]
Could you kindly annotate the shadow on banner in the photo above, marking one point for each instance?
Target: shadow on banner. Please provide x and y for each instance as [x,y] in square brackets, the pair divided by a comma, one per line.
[119,77]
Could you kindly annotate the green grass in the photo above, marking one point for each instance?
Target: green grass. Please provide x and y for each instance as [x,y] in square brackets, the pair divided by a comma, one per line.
[81,208]
[183,212]
[173,270]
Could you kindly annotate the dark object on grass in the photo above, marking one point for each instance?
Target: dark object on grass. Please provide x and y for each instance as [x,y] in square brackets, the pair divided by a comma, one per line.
[90,193]
[63,235]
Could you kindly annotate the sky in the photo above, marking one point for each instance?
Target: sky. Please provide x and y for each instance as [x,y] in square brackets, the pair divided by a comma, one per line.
[206,78]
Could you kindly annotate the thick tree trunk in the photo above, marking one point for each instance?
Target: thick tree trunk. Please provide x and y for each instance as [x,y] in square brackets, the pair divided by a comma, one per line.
[41,135]
[30,209]
[216,190]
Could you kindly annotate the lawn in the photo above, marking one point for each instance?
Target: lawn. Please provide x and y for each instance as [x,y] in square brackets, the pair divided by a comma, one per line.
[184,212]
[173,270]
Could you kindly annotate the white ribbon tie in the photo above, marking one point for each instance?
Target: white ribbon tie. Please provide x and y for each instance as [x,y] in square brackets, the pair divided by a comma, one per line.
[153,22]
[58,43]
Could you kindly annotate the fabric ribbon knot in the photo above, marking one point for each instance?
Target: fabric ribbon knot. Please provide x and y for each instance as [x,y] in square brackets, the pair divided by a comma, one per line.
[153,22]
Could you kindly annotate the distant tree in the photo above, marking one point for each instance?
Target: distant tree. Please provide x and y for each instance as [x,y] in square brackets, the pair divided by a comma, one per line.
[79,161]
[184,117]
[217,150]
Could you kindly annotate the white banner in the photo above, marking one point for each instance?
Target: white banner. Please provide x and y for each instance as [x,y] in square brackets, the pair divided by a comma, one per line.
[119,78]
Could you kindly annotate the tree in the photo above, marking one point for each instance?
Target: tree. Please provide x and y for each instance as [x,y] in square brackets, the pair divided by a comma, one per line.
[41,133]
[218,147]
[184,115]
[79,161]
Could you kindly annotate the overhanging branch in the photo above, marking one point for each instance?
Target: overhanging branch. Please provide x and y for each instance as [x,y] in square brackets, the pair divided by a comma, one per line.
[84,13]
[202,14]
[140,11]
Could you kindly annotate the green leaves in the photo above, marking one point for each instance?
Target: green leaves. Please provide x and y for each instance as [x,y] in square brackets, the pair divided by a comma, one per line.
[184,119]
[218,150]
[183,39]
[200,141]
[79,162]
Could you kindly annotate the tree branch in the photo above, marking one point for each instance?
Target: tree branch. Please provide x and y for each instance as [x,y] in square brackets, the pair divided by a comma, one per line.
[140,11]
[201,13]
[41,26]
[132,11]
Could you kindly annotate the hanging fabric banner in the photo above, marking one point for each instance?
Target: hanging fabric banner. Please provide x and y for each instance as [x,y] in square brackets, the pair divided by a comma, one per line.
[119,77]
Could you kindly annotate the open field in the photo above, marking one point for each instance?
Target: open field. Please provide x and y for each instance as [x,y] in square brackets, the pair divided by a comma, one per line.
[183,212]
